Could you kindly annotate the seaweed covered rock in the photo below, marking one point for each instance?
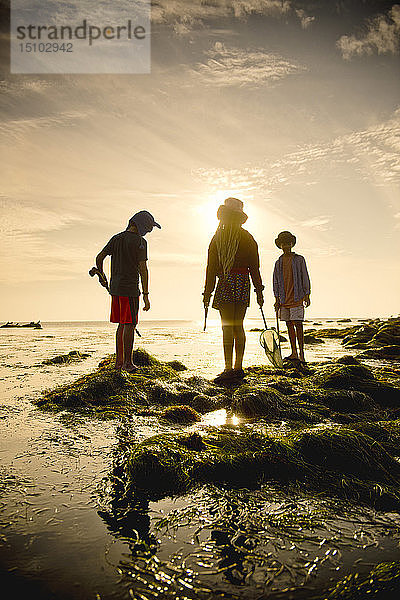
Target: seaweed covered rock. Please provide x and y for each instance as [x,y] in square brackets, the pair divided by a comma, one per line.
[311,339]
[180,414]
[203,386]
[169,392]
[387,433]
[385,352]
[388,334]
[101,387]
[204,404]
[109,388]
[176,365]
[340,401]
[358,377]
[265,401]
[361,335]
[62,359]
[333,332]
[253,401]
[345,463]
[347,359]
[347,451]
[344,376]
[171,463]
[375,334]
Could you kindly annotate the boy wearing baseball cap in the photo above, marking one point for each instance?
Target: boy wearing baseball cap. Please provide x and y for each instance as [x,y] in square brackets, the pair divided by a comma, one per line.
[128,251]
[291,284]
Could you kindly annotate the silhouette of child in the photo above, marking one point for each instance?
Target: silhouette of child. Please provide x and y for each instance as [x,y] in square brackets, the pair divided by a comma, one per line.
[291,284]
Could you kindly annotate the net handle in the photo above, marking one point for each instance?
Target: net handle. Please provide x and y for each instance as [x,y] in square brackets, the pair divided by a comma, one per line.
[265,322]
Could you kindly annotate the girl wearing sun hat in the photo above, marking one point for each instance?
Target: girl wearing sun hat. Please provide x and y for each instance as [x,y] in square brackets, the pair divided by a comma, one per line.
[233,258]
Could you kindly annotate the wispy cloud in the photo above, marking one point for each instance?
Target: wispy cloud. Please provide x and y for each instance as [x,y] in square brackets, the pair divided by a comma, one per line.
[227,66]
[186,16]
[319,223]
[22,86]
[24,236]
[18,128]
[371,155]
[382,37]
[166,11]
[19,219]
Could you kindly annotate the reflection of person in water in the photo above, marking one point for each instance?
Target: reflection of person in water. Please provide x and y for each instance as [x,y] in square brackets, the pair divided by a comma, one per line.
[232,255]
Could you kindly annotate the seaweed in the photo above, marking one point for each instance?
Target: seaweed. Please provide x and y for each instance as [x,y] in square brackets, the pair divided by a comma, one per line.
[176,365]
[358,377]
[338,461]
[382,583]
[180,414]
[62,359]
[387,433]
[107,389]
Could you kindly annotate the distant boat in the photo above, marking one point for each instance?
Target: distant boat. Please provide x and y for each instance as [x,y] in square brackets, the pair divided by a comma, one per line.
[32,324]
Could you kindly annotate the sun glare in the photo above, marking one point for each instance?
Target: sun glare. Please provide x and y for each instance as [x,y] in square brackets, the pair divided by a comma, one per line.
[206,210]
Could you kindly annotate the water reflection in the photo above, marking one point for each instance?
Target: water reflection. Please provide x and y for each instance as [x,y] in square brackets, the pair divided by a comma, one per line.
[221,417]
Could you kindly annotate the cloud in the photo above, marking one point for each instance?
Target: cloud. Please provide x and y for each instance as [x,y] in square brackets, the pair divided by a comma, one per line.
[23,86]
[227,66]
[19,220]
[318,223]
[186,16]
[382,37]
[18,128]
[371,156]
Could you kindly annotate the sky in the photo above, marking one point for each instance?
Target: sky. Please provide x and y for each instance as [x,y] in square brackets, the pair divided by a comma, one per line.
[293,107]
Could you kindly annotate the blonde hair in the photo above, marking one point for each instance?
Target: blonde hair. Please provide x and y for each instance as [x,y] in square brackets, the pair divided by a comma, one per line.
[227,239]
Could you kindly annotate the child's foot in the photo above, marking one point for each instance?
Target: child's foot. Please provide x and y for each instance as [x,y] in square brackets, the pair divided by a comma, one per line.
[302,359]
[292,357]
[238,373]
[118,366]
[226,375]
[130,368]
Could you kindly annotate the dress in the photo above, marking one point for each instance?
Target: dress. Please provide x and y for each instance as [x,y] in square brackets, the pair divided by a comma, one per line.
[235,286]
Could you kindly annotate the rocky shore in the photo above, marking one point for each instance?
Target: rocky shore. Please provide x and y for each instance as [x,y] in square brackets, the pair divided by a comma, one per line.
[329,430]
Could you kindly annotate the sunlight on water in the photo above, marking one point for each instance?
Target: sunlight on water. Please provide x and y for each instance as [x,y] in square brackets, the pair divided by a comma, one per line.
[217,418]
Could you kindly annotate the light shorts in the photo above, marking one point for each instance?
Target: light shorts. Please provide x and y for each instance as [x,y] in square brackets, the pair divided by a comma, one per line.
[296,313]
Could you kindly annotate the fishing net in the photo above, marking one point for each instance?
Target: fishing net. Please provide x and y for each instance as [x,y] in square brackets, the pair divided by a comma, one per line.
[270,342]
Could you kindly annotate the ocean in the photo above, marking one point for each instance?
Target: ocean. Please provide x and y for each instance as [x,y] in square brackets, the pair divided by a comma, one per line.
[53,540]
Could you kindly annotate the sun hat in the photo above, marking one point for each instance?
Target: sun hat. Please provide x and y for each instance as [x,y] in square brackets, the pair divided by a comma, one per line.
[144,222]
[285,236]
[232,207]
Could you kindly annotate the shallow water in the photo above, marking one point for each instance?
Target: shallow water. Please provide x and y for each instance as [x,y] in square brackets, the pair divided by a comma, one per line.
[52,467]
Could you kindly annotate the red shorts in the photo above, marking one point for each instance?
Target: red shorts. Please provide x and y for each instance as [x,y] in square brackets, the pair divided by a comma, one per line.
[124,309]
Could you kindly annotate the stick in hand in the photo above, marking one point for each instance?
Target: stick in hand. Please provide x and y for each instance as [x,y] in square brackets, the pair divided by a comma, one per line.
[102,278]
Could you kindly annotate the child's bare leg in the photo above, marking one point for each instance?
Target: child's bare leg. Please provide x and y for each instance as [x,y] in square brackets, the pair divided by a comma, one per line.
[128,337]
[292,338]
[119,346]
[300,337]
[227,316]
[240,342]
[239,335]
